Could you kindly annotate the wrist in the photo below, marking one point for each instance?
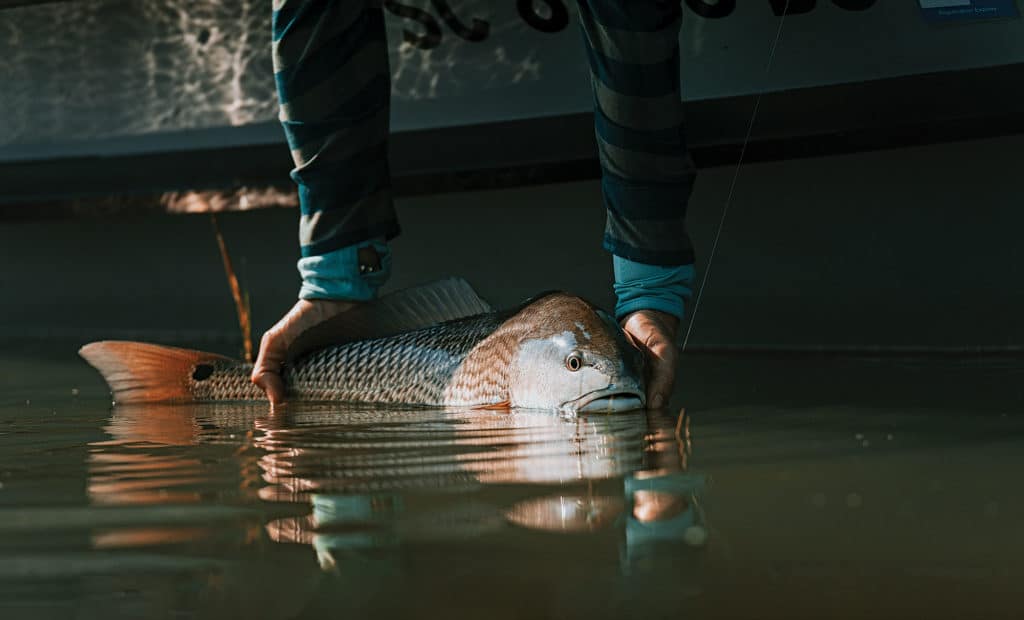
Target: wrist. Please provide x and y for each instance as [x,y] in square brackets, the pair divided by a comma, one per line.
[668,321]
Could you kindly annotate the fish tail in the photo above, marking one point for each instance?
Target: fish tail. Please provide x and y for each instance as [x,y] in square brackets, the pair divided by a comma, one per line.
[144,373]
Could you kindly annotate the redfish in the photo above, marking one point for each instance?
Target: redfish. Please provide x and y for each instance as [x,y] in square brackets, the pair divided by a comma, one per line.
[438,345]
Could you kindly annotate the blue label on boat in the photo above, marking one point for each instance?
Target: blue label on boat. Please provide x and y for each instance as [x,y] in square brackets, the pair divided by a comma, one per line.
[948,10]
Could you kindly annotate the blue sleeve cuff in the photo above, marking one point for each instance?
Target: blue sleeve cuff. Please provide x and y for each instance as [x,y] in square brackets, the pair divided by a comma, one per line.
[335,275]
[639,286]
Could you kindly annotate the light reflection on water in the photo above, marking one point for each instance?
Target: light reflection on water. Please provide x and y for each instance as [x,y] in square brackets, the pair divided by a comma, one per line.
[98,68]
[427,474]
[101,68]
[201,492]
[225,511]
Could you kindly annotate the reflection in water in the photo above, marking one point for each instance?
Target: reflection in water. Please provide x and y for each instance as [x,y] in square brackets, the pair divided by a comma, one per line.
[150,458]
[380,478]
[78,70]
[374,478]
[99,68]
[842,510]
[317,452]
[171,527]
[376,500]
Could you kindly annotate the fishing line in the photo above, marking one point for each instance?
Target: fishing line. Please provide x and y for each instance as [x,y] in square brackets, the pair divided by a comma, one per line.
[735,177]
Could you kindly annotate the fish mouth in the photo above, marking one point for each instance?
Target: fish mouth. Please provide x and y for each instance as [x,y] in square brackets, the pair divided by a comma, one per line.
[613,399]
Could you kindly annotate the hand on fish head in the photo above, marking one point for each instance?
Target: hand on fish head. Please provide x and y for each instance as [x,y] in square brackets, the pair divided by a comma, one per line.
[573,357]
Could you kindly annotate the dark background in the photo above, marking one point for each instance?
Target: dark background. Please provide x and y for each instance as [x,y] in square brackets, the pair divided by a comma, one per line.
[878,214]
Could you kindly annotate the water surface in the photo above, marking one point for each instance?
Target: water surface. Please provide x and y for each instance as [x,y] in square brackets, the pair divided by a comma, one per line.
[791,488]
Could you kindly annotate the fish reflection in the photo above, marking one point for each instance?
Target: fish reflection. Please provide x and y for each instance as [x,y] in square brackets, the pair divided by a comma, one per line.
[161,490]
[173,523]
[379,480]
[366,451]
[365,481]
[151,458]
[670,513]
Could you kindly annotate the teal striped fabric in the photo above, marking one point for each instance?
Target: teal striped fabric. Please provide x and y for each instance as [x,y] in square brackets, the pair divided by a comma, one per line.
[334,87]
[651,287]
[647,173]
[332,75]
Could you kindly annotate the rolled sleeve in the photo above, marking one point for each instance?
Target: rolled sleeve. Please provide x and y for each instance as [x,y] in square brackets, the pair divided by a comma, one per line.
[336,275]
[639,286]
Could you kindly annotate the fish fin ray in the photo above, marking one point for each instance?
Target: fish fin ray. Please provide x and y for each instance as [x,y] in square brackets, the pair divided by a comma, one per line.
[401,311]
[138,372]
[431,303]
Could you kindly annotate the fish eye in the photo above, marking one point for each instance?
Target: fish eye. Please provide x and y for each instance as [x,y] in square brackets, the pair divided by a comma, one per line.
[574,362]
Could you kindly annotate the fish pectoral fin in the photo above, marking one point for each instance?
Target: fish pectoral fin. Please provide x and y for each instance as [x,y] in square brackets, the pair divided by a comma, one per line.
[138,372]
[405,310]
[505,404]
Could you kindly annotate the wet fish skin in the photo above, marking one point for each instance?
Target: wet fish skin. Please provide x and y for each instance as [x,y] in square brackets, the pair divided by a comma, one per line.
[516,358]
[409,368]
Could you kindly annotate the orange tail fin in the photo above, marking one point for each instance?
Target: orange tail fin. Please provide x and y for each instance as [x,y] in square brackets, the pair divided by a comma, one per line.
[145,373]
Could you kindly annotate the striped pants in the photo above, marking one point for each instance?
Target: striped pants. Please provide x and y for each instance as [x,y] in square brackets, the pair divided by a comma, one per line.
[333,83]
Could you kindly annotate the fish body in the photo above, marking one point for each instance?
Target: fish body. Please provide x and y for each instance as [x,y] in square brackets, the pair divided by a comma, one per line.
[554,352]
[409,368]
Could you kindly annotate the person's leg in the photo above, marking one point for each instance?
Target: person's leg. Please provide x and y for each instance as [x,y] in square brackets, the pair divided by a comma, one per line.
[333,84]
[647,173]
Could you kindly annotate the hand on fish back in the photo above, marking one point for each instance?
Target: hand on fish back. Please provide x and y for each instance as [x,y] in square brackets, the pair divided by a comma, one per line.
[437,345]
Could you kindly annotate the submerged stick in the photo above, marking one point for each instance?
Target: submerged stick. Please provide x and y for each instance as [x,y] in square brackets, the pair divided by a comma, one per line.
[682,435]
[241,302]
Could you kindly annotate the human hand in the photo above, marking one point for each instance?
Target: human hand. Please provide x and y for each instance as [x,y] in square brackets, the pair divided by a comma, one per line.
[653,332]
[276,345]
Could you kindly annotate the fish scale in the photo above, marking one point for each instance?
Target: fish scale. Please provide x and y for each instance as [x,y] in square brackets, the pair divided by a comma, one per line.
[554,352]
[412,367]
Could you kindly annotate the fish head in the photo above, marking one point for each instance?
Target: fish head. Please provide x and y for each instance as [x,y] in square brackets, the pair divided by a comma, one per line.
[574,358]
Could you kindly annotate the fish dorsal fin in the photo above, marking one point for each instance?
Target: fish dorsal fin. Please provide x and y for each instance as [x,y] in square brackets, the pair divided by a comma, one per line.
[418,307]
[401,311]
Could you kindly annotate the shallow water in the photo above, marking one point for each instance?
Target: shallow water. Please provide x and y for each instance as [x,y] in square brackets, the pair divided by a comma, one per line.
[793,488]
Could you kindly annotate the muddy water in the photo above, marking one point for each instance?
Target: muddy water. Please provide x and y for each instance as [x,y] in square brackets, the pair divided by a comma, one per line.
[792,488]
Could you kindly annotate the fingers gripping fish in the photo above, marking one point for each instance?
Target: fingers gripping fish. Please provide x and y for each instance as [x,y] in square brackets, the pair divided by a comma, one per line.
[438,345]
